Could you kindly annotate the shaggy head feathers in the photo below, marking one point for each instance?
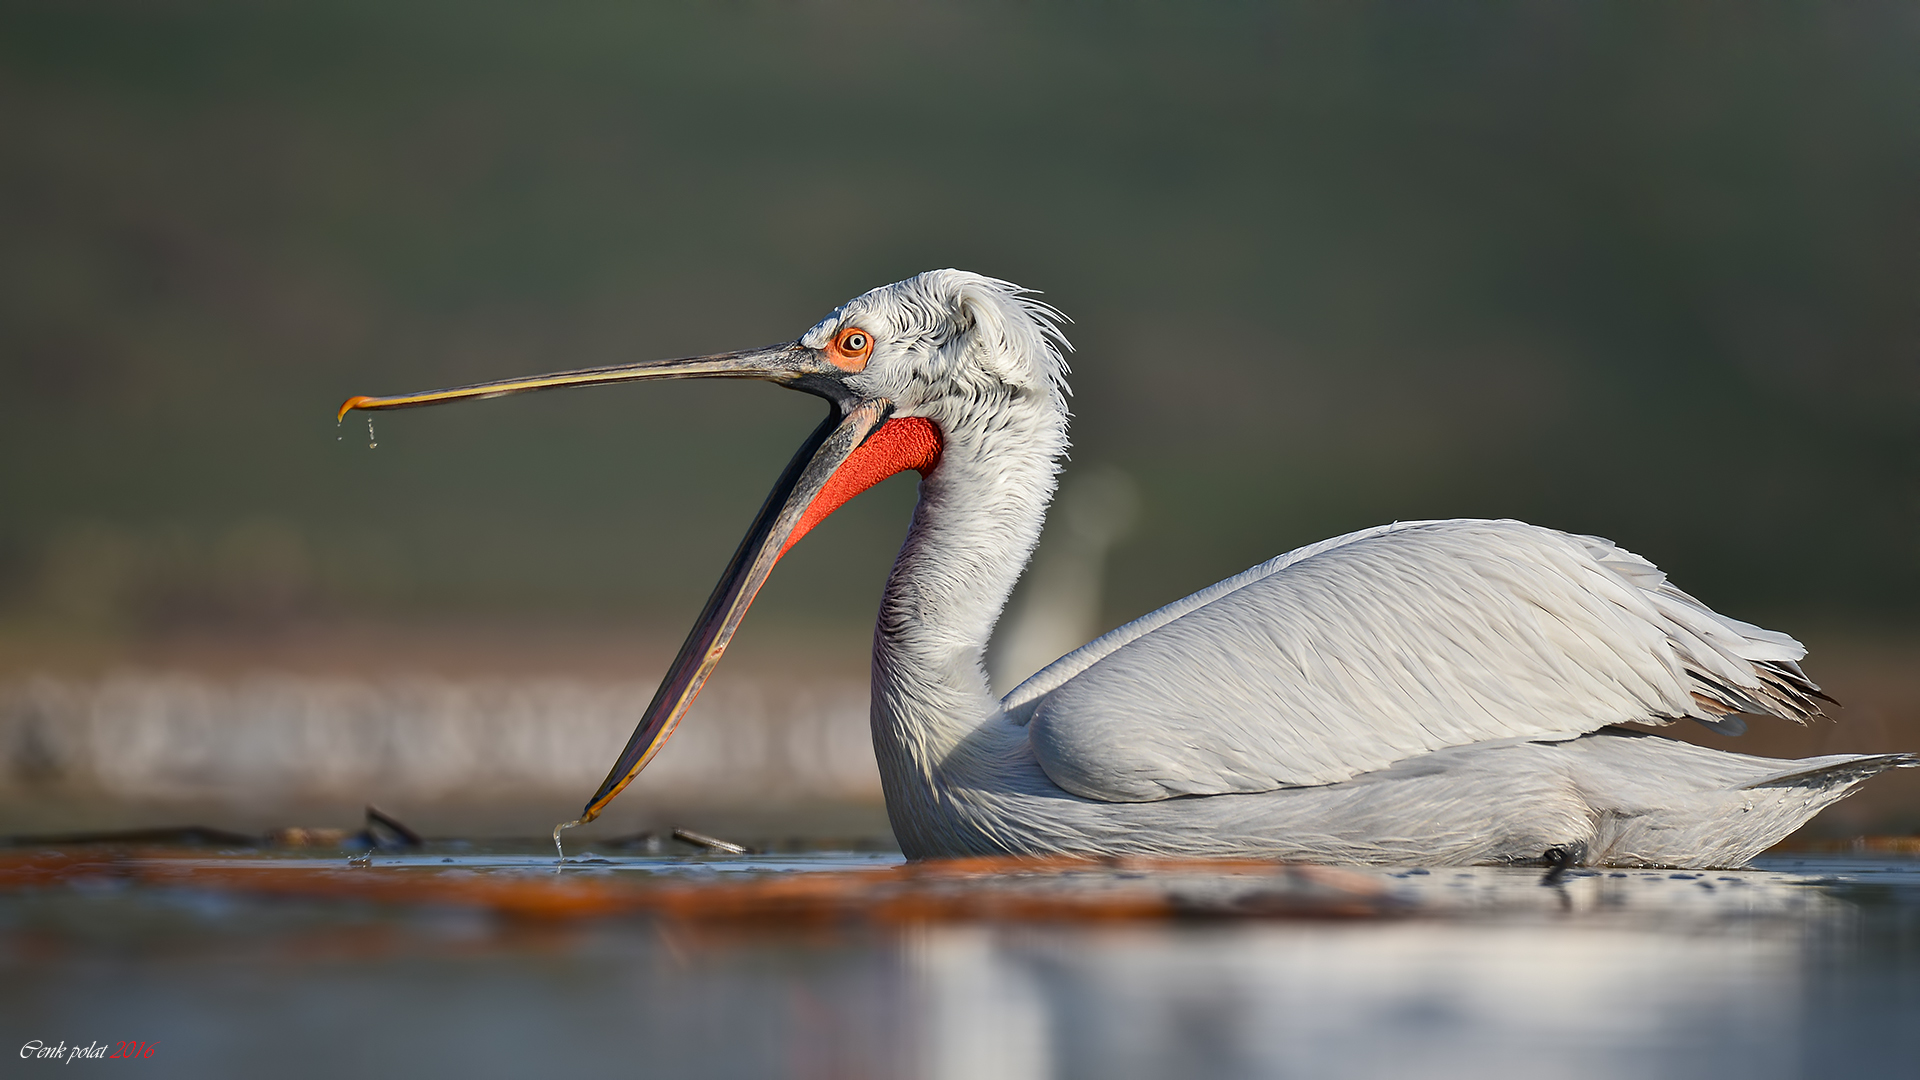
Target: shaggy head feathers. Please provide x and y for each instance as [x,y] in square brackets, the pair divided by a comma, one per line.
[949,333]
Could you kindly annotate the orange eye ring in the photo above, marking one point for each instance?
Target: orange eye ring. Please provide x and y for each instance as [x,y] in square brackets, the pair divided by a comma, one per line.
[850,349]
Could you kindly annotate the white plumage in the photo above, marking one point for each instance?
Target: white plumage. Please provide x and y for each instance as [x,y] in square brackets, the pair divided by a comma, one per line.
[1424,691]
[1432,692]
[1359,652]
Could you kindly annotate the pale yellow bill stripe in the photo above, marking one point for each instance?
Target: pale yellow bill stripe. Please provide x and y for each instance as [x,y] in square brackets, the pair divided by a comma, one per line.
[757,364]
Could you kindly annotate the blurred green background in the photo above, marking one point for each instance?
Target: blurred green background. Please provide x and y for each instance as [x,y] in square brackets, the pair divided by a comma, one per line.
[1651,272]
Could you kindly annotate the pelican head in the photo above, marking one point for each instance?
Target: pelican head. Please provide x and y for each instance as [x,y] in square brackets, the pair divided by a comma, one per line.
[905,368]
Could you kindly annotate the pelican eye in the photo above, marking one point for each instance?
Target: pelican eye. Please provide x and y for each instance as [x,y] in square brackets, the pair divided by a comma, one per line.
[849,350]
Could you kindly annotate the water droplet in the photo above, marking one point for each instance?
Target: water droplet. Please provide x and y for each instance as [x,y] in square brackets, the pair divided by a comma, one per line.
[372,443]
[557,830]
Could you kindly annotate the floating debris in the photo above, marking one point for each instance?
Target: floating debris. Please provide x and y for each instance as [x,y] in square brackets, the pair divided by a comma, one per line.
[382,832]
[385,830]
[711,843]
[163,836]
[296,836]
[998,888]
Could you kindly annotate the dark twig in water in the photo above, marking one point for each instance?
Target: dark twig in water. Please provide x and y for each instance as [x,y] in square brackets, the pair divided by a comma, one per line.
[383,830]
[379,820]
[710,843]
[172,835]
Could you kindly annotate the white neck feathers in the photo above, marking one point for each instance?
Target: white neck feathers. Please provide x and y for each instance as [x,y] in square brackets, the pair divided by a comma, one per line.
[978,519]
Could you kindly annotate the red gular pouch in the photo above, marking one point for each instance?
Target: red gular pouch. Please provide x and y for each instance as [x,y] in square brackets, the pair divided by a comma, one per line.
[907,443]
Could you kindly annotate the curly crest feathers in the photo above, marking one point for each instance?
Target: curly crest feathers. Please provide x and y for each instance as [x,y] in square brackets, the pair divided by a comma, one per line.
[960,331]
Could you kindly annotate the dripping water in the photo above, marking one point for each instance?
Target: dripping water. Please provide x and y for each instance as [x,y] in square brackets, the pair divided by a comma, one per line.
[557,830]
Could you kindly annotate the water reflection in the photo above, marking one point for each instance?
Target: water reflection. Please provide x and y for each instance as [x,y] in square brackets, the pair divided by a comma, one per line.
[1364,1001]
[1805,968]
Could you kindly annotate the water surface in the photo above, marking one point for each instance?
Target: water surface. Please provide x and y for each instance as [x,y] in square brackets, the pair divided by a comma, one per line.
[1801,966]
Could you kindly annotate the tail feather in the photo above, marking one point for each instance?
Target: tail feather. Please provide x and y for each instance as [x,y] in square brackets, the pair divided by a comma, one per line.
[1729,666]
[1830,772]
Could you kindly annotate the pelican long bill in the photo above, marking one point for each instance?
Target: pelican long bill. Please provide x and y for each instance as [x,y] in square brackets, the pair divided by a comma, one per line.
[814,484]
[789,365]
[773,531]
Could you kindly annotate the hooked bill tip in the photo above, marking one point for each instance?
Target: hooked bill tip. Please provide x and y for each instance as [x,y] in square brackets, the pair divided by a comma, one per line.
[352,404]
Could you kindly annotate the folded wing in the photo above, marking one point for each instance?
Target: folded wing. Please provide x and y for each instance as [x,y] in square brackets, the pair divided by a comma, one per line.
[1351,654]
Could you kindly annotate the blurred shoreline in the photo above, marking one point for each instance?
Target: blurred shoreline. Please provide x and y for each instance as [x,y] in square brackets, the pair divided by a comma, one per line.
[495,730]
[472,730]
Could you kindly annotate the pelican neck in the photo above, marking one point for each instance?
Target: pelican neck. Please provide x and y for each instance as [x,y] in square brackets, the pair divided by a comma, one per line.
[974,529]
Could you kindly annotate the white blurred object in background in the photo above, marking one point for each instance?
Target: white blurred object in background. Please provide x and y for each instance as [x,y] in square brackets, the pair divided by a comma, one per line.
[1058,609]
[278,737]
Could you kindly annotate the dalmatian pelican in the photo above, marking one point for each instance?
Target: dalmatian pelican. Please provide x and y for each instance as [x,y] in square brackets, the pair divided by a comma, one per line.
[1432,692]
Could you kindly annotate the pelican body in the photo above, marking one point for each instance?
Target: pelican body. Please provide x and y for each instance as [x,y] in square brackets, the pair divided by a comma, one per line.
[1432,692]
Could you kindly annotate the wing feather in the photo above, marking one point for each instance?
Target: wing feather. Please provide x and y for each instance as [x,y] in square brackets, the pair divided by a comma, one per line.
[1360,651]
